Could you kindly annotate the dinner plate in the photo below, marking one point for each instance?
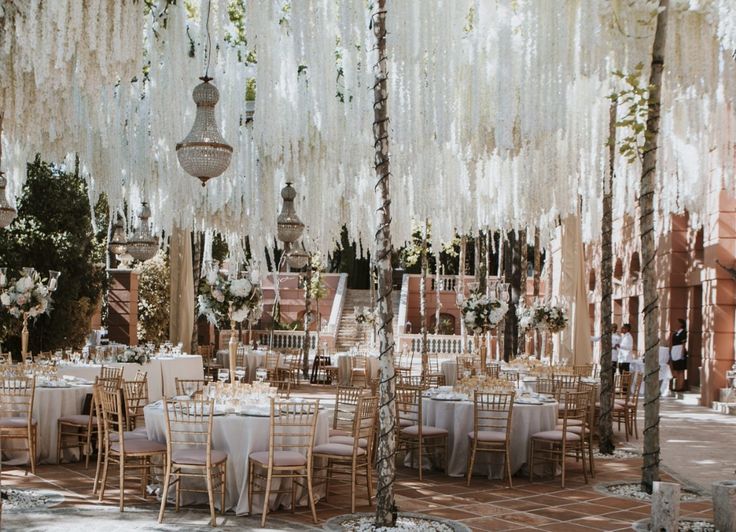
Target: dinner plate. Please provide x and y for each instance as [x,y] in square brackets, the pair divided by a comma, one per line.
[446,399]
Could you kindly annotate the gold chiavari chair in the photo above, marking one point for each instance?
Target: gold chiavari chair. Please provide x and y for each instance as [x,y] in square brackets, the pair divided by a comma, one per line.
[583,370]
[190,387]
[112,384]
[189,453]
[590,427]
[545,385]
[346,401]
[327,370]
[209,361]
[433,376]
[554,446]
[135,396]
[271,364]
[493,371]
[413,434]
[565,383]
[464,365]
[289,455]
[17,394]
[626,402]
[110,372]
[129,454]
[353,457]
[80,429]
[358,370]
[491,432]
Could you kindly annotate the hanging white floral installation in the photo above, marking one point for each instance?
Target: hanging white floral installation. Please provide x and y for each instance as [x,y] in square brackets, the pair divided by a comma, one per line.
[498,109]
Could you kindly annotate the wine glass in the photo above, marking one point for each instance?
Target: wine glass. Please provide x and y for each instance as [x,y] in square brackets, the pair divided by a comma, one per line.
[261,374]
[223,375]
[239,374]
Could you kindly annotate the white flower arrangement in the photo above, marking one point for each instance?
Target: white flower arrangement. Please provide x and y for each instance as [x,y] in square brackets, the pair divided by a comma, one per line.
[542,316]
[483,312]
[136,355]
[26,295]
[526,319]
[221,299]
[365,315]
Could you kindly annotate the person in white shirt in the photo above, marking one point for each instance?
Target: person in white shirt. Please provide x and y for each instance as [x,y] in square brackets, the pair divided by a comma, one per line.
[615,341]
[626,345]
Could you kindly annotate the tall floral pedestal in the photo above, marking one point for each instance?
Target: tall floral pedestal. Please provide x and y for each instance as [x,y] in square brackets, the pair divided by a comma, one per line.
[233,351]
[24,338]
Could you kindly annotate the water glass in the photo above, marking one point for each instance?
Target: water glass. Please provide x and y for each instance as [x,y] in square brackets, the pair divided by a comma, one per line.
[239,374]
[223,375]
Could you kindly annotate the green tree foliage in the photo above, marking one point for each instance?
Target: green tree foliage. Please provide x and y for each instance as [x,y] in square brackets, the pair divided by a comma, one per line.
[53,231]
[153,299]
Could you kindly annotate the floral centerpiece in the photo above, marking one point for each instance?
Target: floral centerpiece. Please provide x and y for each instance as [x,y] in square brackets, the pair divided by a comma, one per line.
[365,315]
[525,316]
[549,317]
[483,312]
[482,384]
[222,299]
[27,295]
[137,355]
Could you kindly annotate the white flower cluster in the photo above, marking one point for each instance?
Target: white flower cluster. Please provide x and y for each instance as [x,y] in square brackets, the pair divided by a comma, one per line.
[483,312]
[27,294]
[221,299]
[542,316]
[137,355]
[365,315]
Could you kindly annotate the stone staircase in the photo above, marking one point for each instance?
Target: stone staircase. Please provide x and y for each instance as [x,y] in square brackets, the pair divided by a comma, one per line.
[350,333]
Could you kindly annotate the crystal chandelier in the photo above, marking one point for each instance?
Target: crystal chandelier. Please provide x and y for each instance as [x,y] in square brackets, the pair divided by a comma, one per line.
[118,244]
[288,225]
[7,212]
[204,154]
[296,257]
[142,245]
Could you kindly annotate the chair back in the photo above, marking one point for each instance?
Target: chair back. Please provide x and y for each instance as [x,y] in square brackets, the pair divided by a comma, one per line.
[292,428]
[464,365]
[17,394]
[632,398]
[583,370]
[272,360]
[240,356]
[358,362]
[592,390]
[545,385]
[364,427]
[189,425]
[574,406]
[408,406]
[135,394]
[190,387]
[493,371]
[346,403]
[622,384]
[109,372]
[564,382]
[492,412]
[433,362]
[414,381]
[511,376]
[110,402]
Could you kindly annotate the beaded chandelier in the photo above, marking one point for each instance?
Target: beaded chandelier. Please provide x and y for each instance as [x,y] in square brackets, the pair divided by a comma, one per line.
[142,245]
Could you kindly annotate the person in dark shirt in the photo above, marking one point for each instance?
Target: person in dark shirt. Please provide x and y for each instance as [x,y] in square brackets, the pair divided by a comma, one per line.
[678,355]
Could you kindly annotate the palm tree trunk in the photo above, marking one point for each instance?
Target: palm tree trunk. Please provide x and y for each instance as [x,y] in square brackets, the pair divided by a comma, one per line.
[385,463]
[307,312]
[650,467]
[605,421]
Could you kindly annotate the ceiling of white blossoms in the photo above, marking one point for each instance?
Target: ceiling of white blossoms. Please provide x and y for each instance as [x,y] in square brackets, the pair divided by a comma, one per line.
[498,108]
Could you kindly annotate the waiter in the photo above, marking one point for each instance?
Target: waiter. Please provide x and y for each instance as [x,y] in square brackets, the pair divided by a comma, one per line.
[625,347]
[678,356]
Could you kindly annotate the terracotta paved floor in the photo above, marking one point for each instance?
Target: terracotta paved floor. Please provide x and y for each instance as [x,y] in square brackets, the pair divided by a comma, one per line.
[485,505]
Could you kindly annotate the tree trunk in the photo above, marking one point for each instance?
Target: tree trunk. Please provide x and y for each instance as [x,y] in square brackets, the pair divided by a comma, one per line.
[385,461]
[481,274]
[650,467]
[605,421]
[537,263]
[307,312]
[423,299]
[512,275]
[197,247]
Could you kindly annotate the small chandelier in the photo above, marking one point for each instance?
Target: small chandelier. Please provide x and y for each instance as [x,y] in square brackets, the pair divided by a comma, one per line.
[296,257]
[118,244]
[289,227]
[7,212]
[142,245]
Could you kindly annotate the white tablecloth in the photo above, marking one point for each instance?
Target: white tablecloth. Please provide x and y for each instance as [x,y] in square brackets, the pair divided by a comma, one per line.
[665,372]
[457,418]
[49,405]
[238,436]
[254,359]
[162,372]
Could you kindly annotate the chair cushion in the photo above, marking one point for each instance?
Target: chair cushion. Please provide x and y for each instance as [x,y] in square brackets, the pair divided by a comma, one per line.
[348,440]
[403,422]
[337,449]
[77,419]
[280,458]
[338,432]
[140,446]
[15,422]
[426,431]
[555,435]
[572,422]
[129,435]
[141,430]
[197,456]
[489,435]
[574,429]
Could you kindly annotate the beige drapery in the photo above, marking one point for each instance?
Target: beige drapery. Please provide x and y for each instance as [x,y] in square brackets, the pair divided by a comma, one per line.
[574,343]
[182,288]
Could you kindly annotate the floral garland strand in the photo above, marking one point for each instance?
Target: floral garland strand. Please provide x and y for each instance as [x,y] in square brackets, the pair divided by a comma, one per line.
[483,312]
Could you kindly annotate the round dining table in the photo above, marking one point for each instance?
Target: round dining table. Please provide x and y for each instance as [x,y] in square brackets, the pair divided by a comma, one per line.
[457,418]
[238,435]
